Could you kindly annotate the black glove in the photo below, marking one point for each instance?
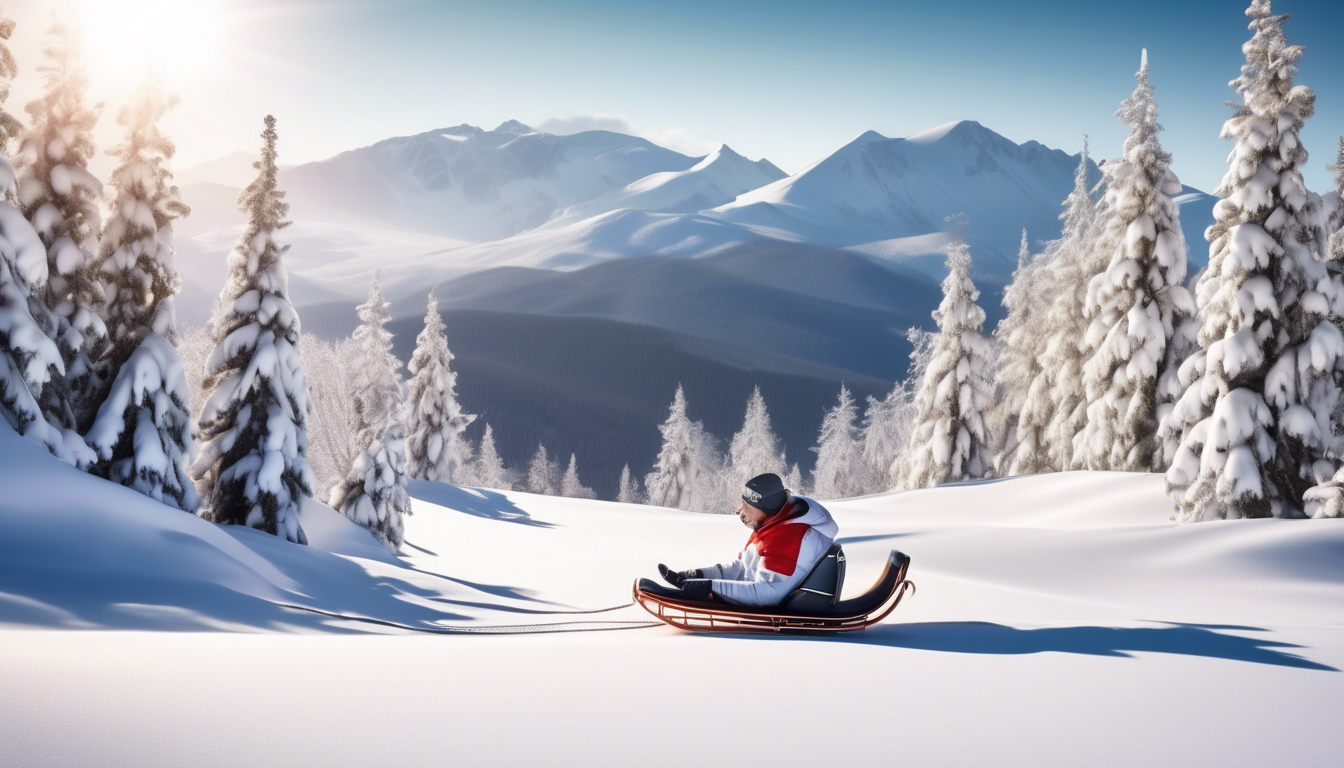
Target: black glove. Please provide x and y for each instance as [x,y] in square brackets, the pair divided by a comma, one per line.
[696,589]
[677,578]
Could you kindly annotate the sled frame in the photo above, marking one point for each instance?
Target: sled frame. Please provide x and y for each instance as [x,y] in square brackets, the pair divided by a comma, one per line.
[700,617]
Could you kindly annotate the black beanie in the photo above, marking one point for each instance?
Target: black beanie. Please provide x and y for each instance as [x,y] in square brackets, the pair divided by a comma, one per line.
[766,493]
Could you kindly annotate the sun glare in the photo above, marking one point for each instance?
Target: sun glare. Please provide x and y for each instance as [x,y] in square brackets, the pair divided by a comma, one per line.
[126,40]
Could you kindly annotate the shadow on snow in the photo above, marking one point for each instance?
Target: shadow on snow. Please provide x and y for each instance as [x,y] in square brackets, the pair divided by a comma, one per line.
[980,637]
[480,502]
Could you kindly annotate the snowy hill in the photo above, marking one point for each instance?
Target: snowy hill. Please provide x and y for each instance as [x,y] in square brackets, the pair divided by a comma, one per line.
[1113,636]
[471,184]
[715,180]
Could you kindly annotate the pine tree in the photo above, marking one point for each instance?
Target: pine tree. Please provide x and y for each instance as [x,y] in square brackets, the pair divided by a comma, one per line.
[435,421]
[1020,343]
[1072,262]
[1335,222]
[841,471]
[1138,303]
[10,127]
[253,468]
[377,378]
[332,444]
[570,486]
[886,433]
[674,481]
[489,469]
[374,493]
[629,488]
[540,473]
[136,261]
[949,439]
[60,198]
[1051,410]
[142,432]
[32,372]
[1260,412]
[793,481]
[899,412]
[754,449]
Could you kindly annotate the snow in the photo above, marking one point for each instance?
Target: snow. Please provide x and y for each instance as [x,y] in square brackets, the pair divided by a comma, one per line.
[1062,615]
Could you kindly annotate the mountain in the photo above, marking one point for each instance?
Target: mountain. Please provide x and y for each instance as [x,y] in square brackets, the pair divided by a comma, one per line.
[471,184]
[805,308]
[232,170]
[874,190]
[718,179]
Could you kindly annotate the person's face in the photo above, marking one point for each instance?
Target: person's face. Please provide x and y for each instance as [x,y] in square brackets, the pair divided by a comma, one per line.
[750,516]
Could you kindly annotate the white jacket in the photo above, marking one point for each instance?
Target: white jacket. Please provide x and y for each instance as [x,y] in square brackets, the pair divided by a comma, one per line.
[778,556]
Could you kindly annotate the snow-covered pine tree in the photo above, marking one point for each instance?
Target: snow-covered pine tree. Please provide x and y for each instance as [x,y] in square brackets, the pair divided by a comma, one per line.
[570,485]
[1020,340]
[136,254]
[628,492]
[10,127]
[949,441]
[60,197]
[488,470]
[885,433]
[715,488]
[1057,291]
[755,449]
[1138,303]
[374,493]
[841,471]
[674,481]
[1071,262]
[541,474]
[893,422]
[377,374]
[253,468]
[142,432]
[435,420]
[1261,409]
[793,481]
[332,443]
[32,373]
[1335,222]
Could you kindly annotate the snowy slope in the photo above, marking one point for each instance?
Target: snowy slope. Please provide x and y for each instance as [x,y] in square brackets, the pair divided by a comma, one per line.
[715,180]
[470,184]
[1060,620]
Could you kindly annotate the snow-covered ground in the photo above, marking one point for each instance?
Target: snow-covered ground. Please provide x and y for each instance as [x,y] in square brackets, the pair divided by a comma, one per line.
[1059,620]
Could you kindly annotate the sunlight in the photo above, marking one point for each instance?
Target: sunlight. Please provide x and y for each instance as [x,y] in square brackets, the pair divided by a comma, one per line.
[177,40]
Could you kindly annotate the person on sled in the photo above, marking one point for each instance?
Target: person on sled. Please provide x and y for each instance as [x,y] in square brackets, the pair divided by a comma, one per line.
[789,535]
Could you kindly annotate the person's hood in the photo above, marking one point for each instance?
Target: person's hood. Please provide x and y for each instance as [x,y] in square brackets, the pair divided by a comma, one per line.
[818,517]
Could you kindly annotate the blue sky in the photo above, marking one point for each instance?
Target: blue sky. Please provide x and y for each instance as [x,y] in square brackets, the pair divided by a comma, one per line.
[790,81]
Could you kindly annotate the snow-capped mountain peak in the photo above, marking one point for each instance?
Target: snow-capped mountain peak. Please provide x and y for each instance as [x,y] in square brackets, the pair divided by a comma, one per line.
[471,184]
[513,126]
[718,178]
[876,189]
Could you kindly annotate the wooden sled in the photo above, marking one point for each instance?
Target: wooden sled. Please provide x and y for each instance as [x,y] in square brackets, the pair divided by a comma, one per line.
[813,607]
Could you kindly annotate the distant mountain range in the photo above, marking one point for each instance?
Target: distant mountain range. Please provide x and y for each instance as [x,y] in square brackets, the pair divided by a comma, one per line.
[474,185]
[552,253]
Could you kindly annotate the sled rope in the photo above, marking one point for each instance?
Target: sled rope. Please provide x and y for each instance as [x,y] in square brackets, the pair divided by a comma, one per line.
[496,629]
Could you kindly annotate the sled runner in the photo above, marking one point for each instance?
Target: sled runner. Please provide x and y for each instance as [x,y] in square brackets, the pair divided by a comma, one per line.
[813,606]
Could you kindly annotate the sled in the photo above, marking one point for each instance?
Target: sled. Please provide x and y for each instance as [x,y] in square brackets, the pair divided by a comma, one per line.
[813,607]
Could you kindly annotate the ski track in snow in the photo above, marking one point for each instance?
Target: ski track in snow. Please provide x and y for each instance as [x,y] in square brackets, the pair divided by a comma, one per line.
[1060,620]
